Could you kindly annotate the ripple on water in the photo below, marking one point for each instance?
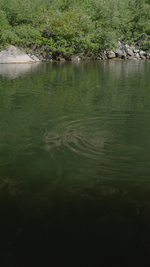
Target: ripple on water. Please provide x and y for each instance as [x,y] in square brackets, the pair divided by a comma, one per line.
[91,139]
[84,137]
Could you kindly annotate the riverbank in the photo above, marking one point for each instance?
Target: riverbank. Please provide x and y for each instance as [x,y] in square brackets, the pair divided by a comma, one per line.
[74,30]
[124,51]
[13,54]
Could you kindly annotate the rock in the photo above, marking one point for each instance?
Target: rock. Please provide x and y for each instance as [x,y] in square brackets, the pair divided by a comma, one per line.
[75,58]
[44,55]
[59,58]
[128,50]
[124,55]
[124,48]
[136,50]
[87,58]
[119,53]
[137,55]
[143,57]
[40,57]
[142,53]
[13,54]
[147,55]
[35,58]
[103,55]
[110,54]
[132,48]
[131,57]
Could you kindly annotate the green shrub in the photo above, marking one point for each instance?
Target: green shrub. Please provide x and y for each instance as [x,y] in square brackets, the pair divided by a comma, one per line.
[27,34]
[69,26]
[3,22]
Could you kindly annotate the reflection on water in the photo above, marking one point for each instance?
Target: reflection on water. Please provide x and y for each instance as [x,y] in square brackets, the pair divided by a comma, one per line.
[15,70]
[124,68]
[74,164]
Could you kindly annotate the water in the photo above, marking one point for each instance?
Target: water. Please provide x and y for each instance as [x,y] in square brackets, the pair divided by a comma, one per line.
[75,163]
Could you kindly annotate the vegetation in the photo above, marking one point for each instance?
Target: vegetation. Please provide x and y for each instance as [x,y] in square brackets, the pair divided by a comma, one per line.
[66,27]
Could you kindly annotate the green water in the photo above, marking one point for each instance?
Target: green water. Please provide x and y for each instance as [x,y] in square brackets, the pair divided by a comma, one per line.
[75,164]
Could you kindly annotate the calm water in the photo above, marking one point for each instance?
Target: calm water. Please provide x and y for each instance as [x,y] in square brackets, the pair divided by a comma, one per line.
[75,164]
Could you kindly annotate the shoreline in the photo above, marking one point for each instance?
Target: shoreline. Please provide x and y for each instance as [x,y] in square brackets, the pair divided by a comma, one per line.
[124,51]
[13,54]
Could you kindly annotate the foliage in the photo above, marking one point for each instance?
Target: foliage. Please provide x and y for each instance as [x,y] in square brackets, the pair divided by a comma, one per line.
[67,26]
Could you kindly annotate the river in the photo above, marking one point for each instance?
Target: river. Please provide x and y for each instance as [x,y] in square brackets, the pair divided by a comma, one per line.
[75,163]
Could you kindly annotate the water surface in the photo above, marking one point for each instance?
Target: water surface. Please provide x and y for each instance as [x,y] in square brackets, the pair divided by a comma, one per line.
[75,163]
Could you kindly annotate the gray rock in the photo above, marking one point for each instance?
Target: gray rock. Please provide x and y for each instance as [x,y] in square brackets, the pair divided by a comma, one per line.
[35,58]
[142,53]
[124,55]
[40,57]
[128,50]
[124,48]
[13,54]
[110,54]
[137,55]
[75,58]
[103,55]
[131,57]
[132,48]
[147,55]
[136,50]
[119,52]
[60,58]
[143,57]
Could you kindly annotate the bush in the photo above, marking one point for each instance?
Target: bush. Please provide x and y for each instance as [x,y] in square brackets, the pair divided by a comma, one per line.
[69,26]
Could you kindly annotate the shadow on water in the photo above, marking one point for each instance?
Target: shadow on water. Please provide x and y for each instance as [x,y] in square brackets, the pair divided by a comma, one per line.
[74,165]
[88,226]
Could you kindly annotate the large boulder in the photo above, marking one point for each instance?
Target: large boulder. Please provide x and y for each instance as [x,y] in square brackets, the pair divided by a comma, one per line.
[13,54]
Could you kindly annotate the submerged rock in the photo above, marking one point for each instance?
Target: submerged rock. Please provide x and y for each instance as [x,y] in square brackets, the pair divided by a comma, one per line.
[13,54]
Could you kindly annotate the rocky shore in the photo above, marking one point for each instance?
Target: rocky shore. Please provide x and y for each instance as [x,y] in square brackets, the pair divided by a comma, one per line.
[12,54]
